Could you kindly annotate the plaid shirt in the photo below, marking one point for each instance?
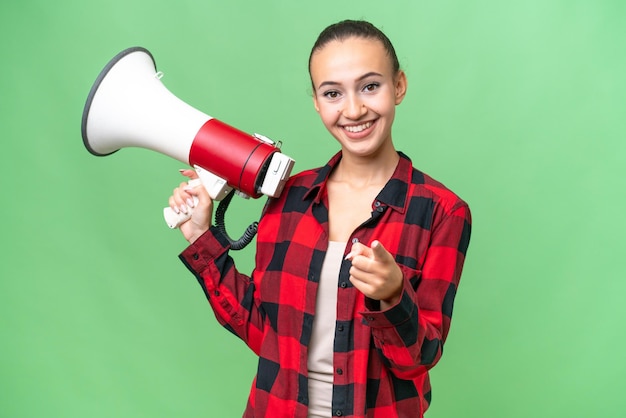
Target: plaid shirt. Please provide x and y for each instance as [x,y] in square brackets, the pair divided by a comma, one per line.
[381,358]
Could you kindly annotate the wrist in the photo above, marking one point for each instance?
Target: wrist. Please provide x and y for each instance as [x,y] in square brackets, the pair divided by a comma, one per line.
[194,236]
[389,302]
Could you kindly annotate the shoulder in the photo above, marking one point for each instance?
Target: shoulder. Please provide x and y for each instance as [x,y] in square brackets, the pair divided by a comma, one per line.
[304,178]
[302,184]
[295,192]
[423,185]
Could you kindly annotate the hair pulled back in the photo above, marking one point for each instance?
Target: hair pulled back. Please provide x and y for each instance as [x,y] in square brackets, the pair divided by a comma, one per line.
[345,29]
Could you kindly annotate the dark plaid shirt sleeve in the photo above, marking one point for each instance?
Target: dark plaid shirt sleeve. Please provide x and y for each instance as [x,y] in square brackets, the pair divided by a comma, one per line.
[381,358]
[230,293]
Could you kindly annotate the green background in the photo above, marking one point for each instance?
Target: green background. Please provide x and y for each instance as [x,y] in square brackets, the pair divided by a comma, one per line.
[518,106]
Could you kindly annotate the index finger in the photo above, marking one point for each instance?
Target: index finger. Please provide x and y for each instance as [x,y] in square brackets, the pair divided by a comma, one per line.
[189,172]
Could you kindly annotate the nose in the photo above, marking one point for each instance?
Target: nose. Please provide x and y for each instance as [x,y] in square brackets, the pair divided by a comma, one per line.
[354,108]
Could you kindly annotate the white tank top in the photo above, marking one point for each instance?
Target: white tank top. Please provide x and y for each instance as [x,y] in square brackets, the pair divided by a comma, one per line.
[320,360]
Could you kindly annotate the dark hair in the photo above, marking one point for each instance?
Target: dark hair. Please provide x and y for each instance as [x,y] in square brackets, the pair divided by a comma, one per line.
[354,28]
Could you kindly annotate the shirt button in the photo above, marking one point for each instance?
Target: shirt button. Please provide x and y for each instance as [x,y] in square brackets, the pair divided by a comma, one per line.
[216,293]
[195,256]
[338,413]
[340,328]
[343,285]
[377,203]
[355,240]
[340,371]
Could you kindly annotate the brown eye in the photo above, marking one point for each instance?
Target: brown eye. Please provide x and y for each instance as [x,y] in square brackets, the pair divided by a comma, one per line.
[371,87]
[332,94]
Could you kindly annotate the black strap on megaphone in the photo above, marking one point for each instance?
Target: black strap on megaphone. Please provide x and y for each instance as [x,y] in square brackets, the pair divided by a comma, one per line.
[220,212]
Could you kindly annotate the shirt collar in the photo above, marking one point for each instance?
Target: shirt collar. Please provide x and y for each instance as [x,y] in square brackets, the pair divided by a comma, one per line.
[394,194]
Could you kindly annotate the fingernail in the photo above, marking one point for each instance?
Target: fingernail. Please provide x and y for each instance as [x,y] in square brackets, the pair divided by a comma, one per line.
[175,209]
[190,202]
[349,256]
[183,208]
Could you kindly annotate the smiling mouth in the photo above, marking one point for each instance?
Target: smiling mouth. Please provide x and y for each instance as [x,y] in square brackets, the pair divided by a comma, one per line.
[358,128]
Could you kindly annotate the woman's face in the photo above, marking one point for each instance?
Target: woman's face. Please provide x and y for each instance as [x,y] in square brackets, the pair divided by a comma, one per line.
[355,92]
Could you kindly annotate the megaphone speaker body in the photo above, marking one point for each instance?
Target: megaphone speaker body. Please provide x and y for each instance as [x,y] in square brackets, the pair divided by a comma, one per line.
[128,106]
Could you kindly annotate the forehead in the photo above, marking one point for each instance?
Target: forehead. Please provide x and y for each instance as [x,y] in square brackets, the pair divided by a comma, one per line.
[351,55]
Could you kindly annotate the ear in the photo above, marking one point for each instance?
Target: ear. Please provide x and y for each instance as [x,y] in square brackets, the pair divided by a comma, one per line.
[315,104]
[401,86]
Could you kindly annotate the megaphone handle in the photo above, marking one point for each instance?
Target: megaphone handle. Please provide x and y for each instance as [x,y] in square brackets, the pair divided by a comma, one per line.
[173,219]
[215,186]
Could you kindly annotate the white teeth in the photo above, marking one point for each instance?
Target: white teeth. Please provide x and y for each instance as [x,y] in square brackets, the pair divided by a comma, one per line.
[358,128]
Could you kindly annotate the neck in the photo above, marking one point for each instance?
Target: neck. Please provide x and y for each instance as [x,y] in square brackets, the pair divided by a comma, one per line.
[366,171]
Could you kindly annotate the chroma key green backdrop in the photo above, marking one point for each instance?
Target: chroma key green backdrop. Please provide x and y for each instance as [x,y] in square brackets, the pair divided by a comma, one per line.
[518,106]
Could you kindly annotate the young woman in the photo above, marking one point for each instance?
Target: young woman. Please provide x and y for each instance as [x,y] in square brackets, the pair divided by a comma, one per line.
[357,262]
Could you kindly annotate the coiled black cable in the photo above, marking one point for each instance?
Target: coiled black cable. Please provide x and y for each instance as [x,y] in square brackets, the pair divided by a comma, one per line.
[220,213]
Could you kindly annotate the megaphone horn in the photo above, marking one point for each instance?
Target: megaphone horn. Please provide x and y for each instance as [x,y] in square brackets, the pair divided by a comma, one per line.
[128,106]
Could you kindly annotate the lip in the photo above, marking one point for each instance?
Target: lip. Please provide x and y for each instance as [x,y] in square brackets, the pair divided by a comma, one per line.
[360,134]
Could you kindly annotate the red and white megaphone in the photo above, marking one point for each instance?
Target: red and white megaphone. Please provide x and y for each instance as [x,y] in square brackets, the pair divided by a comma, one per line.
[128,106]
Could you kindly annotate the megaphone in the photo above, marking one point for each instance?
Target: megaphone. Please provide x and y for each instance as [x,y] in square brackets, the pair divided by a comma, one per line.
[128,106]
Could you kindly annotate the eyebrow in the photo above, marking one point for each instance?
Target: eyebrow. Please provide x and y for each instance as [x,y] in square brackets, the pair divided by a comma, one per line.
[363,77]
